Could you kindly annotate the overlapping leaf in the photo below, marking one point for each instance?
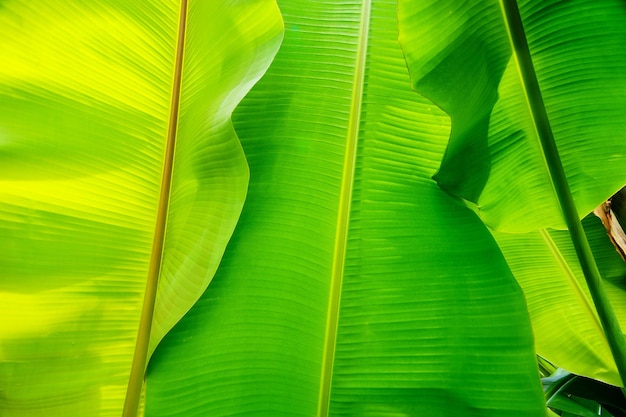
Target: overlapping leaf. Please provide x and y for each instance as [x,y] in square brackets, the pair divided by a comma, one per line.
[576,48]
[430,320]
[85,93]
[458,54]
[566,326]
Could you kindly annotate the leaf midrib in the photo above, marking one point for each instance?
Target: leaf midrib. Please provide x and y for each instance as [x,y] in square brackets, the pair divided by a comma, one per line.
[571,280]
[528,77]
[138,366]
[343,214]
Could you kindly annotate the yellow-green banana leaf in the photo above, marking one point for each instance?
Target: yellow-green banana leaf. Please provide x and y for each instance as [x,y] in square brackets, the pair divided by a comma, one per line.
[86,92]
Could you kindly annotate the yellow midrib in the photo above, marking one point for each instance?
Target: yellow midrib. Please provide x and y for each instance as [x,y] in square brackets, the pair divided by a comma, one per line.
[138,367]
[343,214]
[572,281]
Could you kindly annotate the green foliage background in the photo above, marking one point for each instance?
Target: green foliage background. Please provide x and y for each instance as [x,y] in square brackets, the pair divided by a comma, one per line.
[350,283]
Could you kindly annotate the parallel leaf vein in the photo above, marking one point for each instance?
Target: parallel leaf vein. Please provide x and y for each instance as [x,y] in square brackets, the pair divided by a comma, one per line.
[541,122]
[343,215]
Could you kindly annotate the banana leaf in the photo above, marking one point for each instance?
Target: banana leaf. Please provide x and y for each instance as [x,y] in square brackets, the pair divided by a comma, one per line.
[86,115]
[494,158]
[574,395]
[566,325]
[352,286]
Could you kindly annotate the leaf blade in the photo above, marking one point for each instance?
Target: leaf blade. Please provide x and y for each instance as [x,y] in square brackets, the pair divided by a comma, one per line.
[79,185]
[84,219]
[583,104]
[259,329]
[568,336]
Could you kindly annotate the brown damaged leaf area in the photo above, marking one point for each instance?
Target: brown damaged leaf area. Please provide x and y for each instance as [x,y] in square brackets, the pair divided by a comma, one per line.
[611,213]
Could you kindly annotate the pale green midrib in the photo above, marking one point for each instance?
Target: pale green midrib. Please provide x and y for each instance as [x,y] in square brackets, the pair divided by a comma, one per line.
[135,383]
[571,278]
[343,215]
[534,99]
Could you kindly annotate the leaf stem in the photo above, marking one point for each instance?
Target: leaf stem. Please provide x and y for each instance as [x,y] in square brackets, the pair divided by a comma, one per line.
[140,357]
[609,321]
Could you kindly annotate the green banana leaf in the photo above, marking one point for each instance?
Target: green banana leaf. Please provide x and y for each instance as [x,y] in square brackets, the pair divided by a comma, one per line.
[566,326]
[352,286]
[494,158]
[85,105]
[573,395]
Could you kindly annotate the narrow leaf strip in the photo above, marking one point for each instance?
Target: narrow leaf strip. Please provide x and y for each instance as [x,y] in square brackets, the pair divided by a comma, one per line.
[343,215]
[135,383]
[611,327]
